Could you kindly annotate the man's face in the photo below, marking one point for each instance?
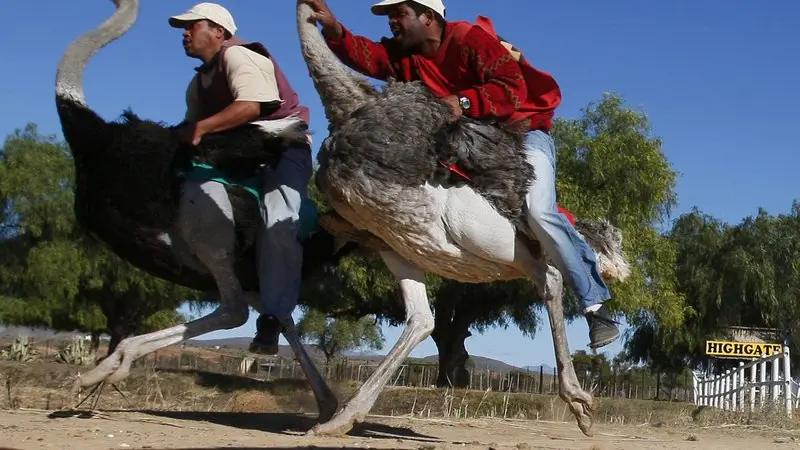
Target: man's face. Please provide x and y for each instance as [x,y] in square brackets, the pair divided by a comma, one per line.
[408,29]
[199,36]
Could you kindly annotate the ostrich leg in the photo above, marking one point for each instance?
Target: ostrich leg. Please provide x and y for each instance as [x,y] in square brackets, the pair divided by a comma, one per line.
[580,402]
[205,222]
[327,404]
[116,366]
[419,325]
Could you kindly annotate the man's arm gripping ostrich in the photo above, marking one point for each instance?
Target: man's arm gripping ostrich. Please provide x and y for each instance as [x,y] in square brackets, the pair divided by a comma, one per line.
[471,70]
[252,85]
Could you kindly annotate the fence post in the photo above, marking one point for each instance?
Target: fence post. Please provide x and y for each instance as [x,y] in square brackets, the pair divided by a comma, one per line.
[731,389]
[775,378]
[715,391]
[694,388]
[740,393]
[752,387]
[734,405]
[762,377]
[541,380]
[704,391]
[787,380]
[712,401]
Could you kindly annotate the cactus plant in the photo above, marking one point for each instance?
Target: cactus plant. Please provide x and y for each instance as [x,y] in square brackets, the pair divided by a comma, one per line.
[77,352]
[20,350]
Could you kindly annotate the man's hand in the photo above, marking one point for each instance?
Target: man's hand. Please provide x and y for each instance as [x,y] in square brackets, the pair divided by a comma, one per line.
[323,15]
[452,100]
[236,114]
[191,133]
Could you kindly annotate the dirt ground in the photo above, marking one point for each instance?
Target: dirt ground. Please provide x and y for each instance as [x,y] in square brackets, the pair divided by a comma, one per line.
[38,429]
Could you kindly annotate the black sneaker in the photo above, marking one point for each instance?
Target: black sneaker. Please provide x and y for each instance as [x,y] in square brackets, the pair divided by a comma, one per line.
[268,330]
[602,329]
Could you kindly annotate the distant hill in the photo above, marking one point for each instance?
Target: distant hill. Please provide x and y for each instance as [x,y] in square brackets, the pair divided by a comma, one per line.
[237,343]
[242,343]
[481,362]
[547,369]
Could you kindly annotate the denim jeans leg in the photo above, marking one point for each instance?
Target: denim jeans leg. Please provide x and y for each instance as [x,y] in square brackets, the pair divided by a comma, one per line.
[573,257]
[280,253]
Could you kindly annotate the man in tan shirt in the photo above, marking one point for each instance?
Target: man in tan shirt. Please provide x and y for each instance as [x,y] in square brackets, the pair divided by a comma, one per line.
[238,83]
[251,78]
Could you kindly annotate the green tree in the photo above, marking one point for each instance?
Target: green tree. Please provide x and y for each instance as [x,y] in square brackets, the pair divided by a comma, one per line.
[334,336]
[51,272]
[732,275]
[592,369]
[460,309]
[698,241]
[611,166]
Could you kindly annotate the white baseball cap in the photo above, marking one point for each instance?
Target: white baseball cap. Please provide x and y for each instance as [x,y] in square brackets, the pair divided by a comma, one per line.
[381,8]
[209,11]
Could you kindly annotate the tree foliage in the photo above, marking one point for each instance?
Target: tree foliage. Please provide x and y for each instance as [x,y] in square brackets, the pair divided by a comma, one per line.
[51,273]
[334,336]
[744,275]
[618,377]
[610,166]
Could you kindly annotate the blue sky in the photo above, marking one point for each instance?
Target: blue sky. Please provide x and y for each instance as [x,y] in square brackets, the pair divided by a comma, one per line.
[718,81]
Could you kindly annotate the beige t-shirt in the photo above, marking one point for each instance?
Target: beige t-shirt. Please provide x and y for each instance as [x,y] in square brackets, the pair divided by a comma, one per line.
[251,77]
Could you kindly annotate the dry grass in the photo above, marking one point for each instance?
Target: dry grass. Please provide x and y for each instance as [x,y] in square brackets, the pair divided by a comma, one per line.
[46,385]
[474,404]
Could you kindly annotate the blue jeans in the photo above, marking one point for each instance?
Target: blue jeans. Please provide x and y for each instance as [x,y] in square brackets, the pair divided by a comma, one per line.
[572,256]
[280,253]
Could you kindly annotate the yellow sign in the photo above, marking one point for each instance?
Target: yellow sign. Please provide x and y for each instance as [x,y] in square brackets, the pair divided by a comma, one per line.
[741,349]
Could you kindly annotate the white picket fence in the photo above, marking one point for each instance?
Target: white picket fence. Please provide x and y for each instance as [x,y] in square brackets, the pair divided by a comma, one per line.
[734,390]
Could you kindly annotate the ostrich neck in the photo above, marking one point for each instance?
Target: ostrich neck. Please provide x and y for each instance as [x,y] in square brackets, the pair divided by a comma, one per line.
[340,89]
[69,76]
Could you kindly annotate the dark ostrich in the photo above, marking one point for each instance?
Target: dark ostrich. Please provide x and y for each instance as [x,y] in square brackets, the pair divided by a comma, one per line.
[128,185]
[133,196]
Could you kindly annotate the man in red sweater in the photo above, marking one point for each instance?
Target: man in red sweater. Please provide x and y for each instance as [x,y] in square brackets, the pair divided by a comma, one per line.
[468,67]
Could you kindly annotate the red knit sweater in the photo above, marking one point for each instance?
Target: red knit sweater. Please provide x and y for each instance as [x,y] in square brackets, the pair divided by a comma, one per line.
[470,62]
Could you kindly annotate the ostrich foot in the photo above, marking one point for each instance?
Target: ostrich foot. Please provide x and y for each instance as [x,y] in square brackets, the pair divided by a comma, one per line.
[582,406]
[113,369]
[117,366]
[109,370]
[327,407]
[339,425]
[94,393]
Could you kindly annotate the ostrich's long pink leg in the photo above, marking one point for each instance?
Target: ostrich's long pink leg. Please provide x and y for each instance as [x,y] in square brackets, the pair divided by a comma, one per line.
[580,402]
[419,325]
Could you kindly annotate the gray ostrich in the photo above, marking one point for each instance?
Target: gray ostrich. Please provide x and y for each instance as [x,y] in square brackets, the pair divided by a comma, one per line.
[133,195]
[380,169]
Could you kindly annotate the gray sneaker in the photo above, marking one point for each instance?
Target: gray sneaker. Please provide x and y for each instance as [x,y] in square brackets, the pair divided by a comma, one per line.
[602,329]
